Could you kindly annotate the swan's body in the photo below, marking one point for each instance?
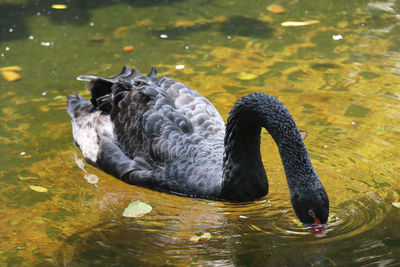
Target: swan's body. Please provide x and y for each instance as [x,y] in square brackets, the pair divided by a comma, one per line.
[162,134]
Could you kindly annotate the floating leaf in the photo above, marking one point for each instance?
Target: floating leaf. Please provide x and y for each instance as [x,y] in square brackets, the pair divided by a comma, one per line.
[128,48]
[299,23]
[11,76]
[37,188]
[10,68]
[203,237]
[277,9]
[396,204]
[137,209]
[58,6]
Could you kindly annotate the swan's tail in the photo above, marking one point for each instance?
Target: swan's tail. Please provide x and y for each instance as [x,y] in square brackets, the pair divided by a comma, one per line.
[76,105]
[100,86]
[89,127]
[93,134]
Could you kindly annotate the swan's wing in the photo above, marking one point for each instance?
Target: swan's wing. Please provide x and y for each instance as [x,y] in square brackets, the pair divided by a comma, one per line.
[199,110]
[153,117]
[157,125]
[202,114]
[146,123]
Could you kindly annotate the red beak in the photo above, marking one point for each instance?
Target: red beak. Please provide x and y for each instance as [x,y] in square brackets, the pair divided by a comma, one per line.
[316,229]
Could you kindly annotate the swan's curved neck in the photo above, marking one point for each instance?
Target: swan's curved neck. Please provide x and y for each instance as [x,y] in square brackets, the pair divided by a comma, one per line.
[244,177]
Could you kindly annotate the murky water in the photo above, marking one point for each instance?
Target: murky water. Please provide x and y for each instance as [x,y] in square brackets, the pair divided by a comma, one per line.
[339,78]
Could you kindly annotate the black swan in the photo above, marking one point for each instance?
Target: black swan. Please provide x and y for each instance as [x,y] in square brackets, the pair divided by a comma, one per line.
[161,134]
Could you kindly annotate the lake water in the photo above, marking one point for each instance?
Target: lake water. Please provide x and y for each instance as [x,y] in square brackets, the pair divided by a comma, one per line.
[339,77]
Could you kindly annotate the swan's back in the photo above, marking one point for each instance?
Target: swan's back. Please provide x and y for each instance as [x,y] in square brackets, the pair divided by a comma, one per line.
[152,132]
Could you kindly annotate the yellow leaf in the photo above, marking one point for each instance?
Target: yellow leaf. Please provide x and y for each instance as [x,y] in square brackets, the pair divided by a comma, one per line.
[11,76]
[299,23]
[277,9]
[10,68]
[396,204]
[38,188]
[57,6]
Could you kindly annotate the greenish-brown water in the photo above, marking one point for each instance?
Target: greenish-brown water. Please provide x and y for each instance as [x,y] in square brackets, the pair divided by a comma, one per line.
[338,77]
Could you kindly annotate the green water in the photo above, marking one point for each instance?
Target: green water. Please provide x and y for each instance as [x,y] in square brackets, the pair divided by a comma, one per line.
[339,78]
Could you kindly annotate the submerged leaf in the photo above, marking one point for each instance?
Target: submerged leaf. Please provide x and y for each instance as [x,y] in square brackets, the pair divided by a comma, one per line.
[247,76]
[79,162]
[137,209]
[37,188]
[11,76]
[357,111]
[277,9]
[299,23]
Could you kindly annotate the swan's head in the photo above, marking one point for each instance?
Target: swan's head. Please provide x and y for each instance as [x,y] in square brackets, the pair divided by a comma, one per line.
[311,206]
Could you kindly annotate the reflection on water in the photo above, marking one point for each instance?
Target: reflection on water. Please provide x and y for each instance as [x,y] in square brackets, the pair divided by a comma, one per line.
[343,91]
